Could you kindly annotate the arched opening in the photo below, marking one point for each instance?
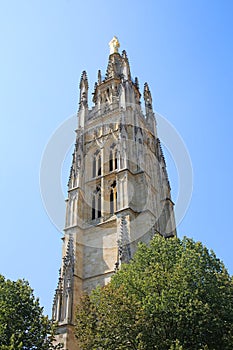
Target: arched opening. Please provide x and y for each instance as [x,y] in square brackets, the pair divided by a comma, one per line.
[99,165]
[99,204]
[113,198]
[96,204]
[96,165]
[113,163]
[111,202]
[93,208]
[115,160]
[110,161]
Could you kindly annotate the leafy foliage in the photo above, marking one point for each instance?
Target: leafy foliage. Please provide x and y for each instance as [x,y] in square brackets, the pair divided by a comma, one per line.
[22,323]
[174,294]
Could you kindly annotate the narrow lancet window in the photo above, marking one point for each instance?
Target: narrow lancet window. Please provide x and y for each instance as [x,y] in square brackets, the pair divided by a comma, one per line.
[111,202]
[115,160]
[113,163]
[110,161]
[99,204]
[93,208]
[99,165]
[113,198]
[96,169]
[96,204]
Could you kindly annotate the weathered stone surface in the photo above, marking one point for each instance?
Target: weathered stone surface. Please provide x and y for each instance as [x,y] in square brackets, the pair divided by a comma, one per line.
[118,191]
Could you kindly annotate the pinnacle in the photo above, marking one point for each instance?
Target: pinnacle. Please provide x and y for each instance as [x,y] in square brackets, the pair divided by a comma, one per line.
[84,75]
[137,82]
[83,79]
[124,54]
[146,87]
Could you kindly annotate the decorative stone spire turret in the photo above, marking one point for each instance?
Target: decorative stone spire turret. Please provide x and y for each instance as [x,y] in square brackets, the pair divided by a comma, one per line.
[124,252]
[56,310]
[136,82]
[149,109]
[62,304]
[117,90]
[114,69]
[83,99]
[147,97]
[83,86]
[126,68]
[99,77]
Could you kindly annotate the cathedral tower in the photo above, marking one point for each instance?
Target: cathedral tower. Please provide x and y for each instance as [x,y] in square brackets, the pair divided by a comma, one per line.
[118,190]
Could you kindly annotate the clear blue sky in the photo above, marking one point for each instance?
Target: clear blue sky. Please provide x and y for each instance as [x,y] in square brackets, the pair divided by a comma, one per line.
[183,49]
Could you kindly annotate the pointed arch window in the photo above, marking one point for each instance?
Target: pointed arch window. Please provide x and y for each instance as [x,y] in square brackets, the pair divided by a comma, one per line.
[113,161]
[94,167]
[93,208]
[111,202]
[113,198]
[110,161]
[99,204]
[96,204]
[99,165]
[96,164]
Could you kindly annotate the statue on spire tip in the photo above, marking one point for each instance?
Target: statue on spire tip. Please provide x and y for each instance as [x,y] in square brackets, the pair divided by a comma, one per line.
[114,45]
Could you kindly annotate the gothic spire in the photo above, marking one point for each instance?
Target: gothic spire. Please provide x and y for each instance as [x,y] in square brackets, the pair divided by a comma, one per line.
[83,80]
[124,252]
[147,96]
[136,82]
[99,77]
[68,260]
[83,86]
[83,99]
[126,68]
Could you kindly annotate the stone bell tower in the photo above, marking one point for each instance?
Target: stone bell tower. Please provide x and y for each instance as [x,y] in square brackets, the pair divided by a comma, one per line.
[118,190]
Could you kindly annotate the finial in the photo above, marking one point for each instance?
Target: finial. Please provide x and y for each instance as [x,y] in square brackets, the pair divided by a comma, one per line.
[146,88]
[99,77]
[83,78]
[114,45]
[147,94]
[147,98]
[124,54]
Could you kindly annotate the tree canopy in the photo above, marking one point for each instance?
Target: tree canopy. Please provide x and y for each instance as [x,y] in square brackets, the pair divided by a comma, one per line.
[22,323]
[174,294]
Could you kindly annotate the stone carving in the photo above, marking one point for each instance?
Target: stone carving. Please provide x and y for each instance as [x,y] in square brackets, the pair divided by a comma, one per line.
[124,251]
[147,96]
[83,90]
[99,77]
[62,309]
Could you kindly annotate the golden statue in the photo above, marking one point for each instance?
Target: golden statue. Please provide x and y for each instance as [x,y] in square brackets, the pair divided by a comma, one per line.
[114,45]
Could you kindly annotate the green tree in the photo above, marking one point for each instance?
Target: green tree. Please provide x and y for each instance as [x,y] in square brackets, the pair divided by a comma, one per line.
[22,323]
[174,294]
